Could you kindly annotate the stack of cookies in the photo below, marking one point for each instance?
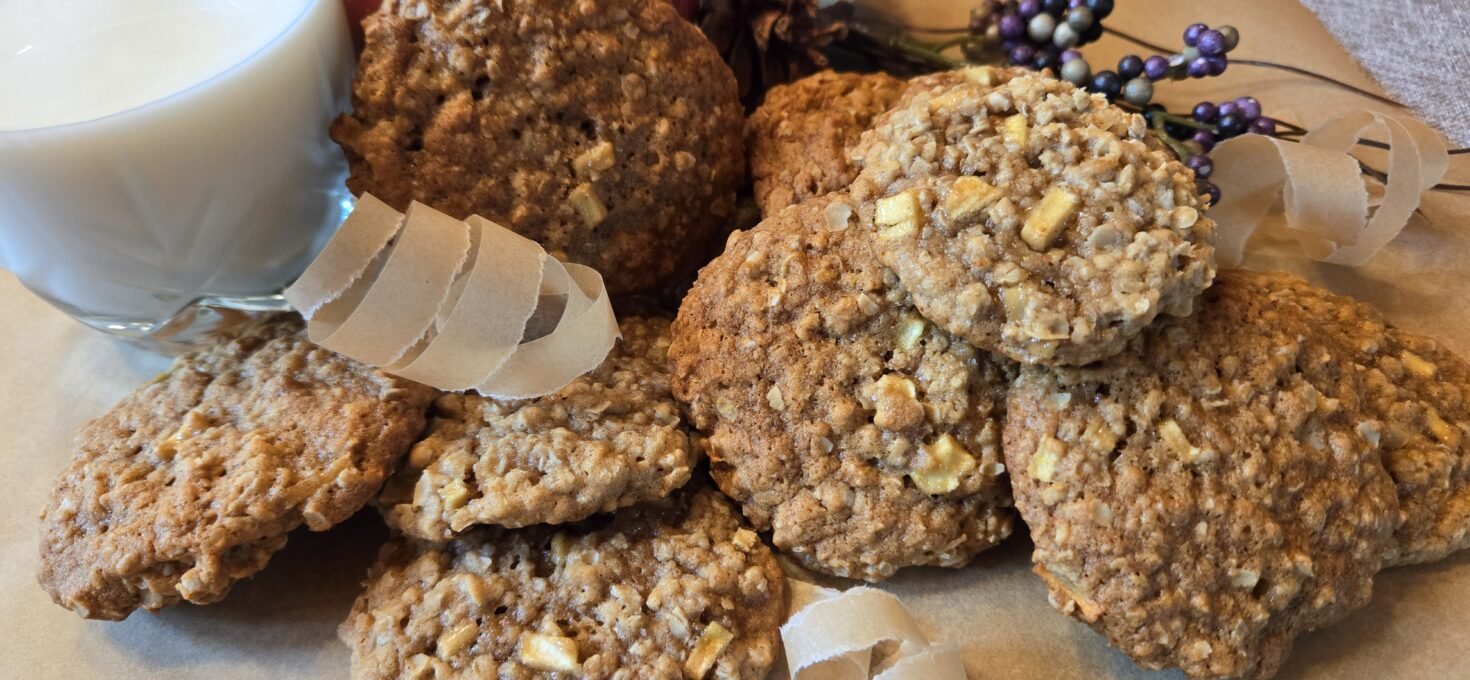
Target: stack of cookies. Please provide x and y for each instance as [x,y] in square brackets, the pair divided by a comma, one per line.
[1209,466]
[518,549]
[977,299]
[571,535]
[990,220]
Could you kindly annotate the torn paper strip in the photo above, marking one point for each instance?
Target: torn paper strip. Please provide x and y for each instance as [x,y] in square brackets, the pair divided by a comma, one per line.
[860,634]
[1322,188]
[447,303]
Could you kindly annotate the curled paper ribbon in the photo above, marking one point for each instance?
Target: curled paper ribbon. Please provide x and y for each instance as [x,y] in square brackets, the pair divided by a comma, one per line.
[1325,195]
[842,635]
[448,303]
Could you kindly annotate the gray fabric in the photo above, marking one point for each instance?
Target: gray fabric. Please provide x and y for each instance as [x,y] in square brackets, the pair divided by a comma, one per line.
[1418,50]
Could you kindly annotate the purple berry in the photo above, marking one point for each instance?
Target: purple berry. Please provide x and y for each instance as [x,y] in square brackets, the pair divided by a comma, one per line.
[1130,67]
[1076,71]
[1021,55]
[1092,33]
[1069,55]
[1210,43]
[1079,18]
[1264,126]
[1045,60]
[1201,165]
[1028,8]
[1107,83]
[1054,7]
[1100,8]
[1230,124]
[1065,37]
[1199,68]
[1191,34]
[1250,109]
[1011,26]
[1217,64]
[1041,28]
[1205,139]
[1228,108]
[1156,67]
[1232,37]
[1205,112]
[1208,188]
[1138,91]
[1076,3]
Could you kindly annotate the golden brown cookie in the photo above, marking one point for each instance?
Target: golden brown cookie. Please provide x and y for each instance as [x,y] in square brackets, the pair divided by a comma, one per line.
[865,438]
[607,131]
[798,140]
[1214,491]
[1031,218]
[1417,409]
[611,438]
[1420,392]
[672,589]
[192,481]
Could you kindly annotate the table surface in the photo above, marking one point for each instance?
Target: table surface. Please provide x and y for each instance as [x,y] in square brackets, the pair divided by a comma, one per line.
[57,374]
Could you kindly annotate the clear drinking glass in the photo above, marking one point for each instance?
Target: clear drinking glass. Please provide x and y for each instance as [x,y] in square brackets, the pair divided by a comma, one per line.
[165,167]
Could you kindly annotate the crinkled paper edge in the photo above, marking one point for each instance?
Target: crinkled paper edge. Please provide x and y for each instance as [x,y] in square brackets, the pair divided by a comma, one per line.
[859,634]
[447,302]
[1325,196]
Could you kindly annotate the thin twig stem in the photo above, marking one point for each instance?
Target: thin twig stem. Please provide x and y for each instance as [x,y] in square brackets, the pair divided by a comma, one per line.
[1380,145]
[952,42]
[930,55]
[904,48]
[1326,79]
[880,19]
[1185,121]
[1382,176]
[1266,64]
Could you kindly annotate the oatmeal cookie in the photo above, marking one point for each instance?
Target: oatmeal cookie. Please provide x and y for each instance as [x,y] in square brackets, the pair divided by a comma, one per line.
[670,589]
[607,131]
[1031,218]
[864,437]
[193,481]
[1209,494]
[987,77]
[1417,409]
[1420,391]
[611,438]
[798,140]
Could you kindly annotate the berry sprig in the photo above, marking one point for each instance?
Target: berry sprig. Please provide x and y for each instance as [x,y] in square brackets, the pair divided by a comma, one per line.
[1035,34]
[1045,35]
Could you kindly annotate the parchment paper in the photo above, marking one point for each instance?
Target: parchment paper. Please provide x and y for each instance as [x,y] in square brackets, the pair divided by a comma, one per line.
[57,374]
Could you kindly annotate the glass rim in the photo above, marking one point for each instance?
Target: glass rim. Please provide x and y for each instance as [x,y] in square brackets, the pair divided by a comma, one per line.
[306,6]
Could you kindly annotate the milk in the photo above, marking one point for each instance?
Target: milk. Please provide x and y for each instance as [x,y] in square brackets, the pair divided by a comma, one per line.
[153,152]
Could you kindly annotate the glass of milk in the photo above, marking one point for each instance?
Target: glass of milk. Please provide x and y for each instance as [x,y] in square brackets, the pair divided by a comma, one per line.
[165,164]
